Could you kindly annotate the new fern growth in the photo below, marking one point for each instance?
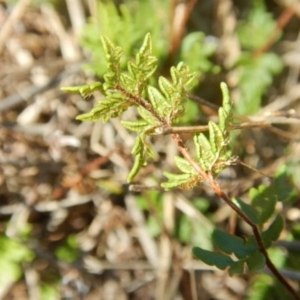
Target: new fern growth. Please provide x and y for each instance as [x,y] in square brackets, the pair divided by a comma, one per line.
[160,107]
[213,153]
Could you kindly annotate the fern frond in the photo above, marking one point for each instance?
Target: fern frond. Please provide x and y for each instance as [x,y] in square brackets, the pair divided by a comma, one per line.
[84,90]
[182,181]
[142,151]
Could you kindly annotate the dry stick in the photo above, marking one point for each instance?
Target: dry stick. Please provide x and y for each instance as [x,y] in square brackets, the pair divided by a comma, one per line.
[213,106]
[277,131]
[234,126]
[254,170]
[204,102]
[203,128]
[208,177]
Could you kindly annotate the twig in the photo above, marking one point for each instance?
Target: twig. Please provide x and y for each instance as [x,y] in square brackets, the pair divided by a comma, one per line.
[269,114]
[203,128]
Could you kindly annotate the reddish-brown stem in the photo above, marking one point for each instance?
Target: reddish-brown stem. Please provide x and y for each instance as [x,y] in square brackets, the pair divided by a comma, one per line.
[215,186]
[208,177]
[186,154]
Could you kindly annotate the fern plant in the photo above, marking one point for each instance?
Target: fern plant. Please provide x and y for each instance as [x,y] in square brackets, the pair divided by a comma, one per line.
[159,107]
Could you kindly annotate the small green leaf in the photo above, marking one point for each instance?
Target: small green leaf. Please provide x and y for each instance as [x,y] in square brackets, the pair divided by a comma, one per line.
[112,106]
[181,82]
[113,53]
[134,70]
[107,45]
[177,177]
[197,145]
[166,87]
[146,48]
[183,165]
[256,261]
[249,210]
[138,125]
[156,98]
[175,75]
[225,112]
[281,185]
[229,244]
[142,150]
[273,232]
[144,66]
[183,181]
[204,152]
[113,57]
[182,77]
[89,116]
[211,258]
[168,185]
[149,152]
[147,66]
[264,204]
[205,148]
[227,105]
[236,268]
[127,81]
[137,146]
[138,163]
[222,119]
[146,115]
[84,90]
[216,138]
